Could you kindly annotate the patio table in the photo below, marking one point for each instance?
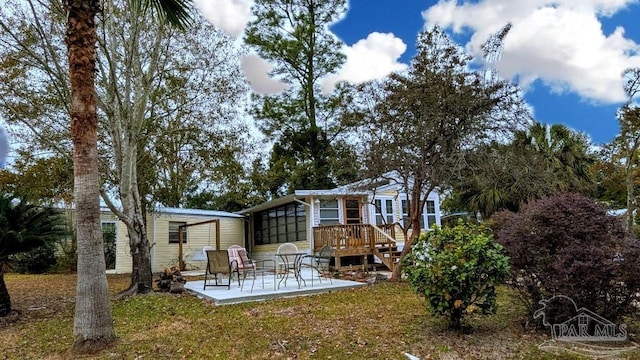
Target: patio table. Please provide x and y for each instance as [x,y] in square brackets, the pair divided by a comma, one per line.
[292,262]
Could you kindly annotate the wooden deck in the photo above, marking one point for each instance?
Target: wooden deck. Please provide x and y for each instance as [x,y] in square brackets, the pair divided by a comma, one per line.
[360,241]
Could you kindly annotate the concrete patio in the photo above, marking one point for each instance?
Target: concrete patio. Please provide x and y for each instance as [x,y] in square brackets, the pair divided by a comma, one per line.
[220,295]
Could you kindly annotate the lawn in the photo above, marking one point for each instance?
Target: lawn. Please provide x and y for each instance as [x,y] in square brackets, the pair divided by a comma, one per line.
[381,321]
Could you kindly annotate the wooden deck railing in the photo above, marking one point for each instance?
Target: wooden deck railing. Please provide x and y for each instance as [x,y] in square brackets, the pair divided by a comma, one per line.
[352,236]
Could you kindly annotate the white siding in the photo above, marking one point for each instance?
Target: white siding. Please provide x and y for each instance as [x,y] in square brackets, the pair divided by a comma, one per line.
[123,253]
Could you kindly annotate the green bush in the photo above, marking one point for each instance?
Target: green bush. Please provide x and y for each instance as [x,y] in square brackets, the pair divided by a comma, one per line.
[109,241]
[457,269]
[67,260]
[36,261]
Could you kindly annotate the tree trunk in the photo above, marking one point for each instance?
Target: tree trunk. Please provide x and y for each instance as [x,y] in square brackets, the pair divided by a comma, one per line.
[415,211]
[141,274]
[630,200]
[93,324]
[5,299]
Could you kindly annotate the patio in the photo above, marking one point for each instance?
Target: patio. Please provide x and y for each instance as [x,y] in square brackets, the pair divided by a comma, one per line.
[223,296]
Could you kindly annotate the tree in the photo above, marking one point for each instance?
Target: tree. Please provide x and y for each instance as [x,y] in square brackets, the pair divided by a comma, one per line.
[93,325]
[49,180]
[541,161]
[301,121]
[422,120]
[165,126]
[169,123]
[629,138]
[23,227]
[610,174]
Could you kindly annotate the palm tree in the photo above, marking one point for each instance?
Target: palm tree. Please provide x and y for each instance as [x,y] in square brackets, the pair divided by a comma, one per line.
[93,324]
[563,152]
[23,227]
[540,161]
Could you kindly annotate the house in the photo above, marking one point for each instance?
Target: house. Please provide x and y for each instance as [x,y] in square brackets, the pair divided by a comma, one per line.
[199,228]
[360,225]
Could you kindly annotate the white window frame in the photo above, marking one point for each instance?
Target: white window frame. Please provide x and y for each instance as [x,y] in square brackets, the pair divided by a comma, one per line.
[329,220]
[428,218]
[389,217]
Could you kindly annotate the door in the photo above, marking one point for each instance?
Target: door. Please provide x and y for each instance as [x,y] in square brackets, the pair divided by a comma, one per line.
[353,216]
[352,211]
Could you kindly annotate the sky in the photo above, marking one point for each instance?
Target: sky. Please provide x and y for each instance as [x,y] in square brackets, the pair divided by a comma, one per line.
[566,55]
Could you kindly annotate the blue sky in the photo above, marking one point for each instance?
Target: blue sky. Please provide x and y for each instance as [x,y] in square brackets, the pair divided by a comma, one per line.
[593,115]
[567,55]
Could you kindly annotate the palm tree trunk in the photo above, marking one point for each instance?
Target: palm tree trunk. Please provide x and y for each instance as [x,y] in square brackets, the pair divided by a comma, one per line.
[93,324]
[5,299]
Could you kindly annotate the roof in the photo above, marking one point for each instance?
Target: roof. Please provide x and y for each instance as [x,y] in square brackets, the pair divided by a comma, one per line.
[300,195]
[198,212]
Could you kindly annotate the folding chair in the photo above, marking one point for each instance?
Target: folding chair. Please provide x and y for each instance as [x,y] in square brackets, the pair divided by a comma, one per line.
[218,264]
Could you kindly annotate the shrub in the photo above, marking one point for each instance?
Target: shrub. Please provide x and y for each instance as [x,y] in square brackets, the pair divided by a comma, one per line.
[109,240]
[457,269]
[36,261]
[568,245]
[67,260]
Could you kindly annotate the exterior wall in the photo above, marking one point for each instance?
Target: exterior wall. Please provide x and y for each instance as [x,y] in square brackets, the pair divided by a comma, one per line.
[123,251]
[397,209]
[165,254]
[268,251]
[263,252]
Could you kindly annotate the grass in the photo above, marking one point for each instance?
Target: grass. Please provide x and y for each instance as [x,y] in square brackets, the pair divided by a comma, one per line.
[381,321]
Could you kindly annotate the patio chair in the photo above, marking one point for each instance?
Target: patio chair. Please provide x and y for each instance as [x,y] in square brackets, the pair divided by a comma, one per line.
[288,260]
[246,266]
[254,267]
[319,262]
[218,264]
[234,258]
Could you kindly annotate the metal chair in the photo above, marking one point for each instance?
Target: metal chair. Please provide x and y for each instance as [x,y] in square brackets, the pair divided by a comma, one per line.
[218,264]
[255,267]
[320,262]
[288,260]
[234,258]
[246,266]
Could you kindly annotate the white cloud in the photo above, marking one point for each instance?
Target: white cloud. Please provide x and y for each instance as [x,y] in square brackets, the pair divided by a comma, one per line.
[372,58]
[257,70]
[230,16]
[560,43]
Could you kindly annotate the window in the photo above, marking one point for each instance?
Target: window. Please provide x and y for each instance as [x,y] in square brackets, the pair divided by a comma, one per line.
[108,227]
[329,214]
[173,232]
[384,211]
[428,214]
[286,223]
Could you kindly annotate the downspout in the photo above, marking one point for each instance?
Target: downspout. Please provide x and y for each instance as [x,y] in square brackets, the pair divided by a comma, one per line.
[310,219]
[247,228]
